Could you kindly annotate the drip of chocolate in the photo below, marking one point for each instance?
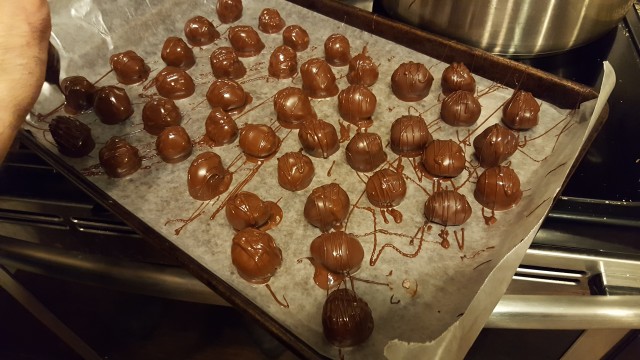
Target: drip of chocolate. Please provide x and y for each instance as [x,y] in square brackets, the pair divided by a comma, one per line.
[319,138]
[176,53]
[159,113]
[255,255]
[498,188]
[295,171]
[318,80]
[338,252]
[72,137]
[174,83]
[448,208]
[520,112]
[337,50]
[327,207]
[173,144]
[411,81]
[460,108]
[495,145]
[207,178]
[199,31]
[78,93]
[118,158]
[295,37]
[229,10]
[443,158]
[365,152]
[409,136]
[227,94]
[112,105]
[293,108]
[457,77]
[283,63]
[245,41]
[258,141]
[226,65]
[356,105]
[346,319]
[362,70]
[220,128]
[129,67]
[386,188]
[270,21]
[247,210]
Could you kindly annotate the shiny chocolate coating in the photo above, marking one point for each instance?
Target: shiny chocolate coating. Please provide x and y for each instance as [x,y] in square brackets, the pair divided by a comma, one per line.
[386,188]
[362,70]
[258,141]
[409,136]
[327,207]
[255,255]
[460,108]
[283,63]
[129,67]
[225,64]
[173,144]
[448,208]
[78,93]
[174,83]
[443,158]
[457,77]
[118,158]
[338,252]
[346,319]
[495,145]
[293,107]
[72,137]
[356,104]
[220,128]
[411,81]
[112,105]
[318,80]
[246,210]
[229,10]
[498,188]
[337,50]
[520,112]
[226,94]
[319,138]
[207,177]
[295,171]
[270,21]
[295,37]
[159,113]
[365,152]
[199,31]
[176,53]
[245,41]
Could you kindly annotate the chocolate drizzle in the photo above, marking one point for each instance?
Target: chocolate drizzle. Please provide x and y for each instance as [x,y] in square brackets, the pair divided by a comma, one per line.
[409,136]
[362,70]
[495,145]
[129,67]
[411,81]
[207,178]
[72,137]
[337,50]
[498,188]
[255,255]
[447,207]
[365,152]
[229,10]
[318,138]
[174,83]
[176,53]
[318,80]
[386,188]
[293,108]
[112,105]
[199,31]
[245,41]
[220,128]
[283,63]
[346,319]
[295,37]
[225,64]
[270,21]
[520,112]
[78,93]
[356,104]
[159,113]
[460,108]
[174,144]
[443,158]
[457,77]
[327,207]
[338,252]
[295,171]
[118,158]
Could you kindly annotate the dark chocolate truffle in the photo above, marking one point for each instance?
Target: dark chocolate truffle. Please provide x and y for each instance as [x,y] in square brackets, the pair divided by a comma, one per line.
[199,31]
[173,144]
[225,64]
[255,255]
[318,80]
[457,77]
[319,138]
[78,93]
[495,145]
[411,81]
[270,21]
[520,112]
[460,108]
[258,141]
[338,252]
[337,50]
[220,128]
[174,83]
[247,210]
[129,67]
[356,105]
[159,113]
[112,105]
[362,70]
[443,158]
[409,136]
[346,319]
[245,41]
[498,188]
[229,10]
[295,37]
[72,137]
[295,171]
[118,158]
[227,94]
[365,152]
[327,207]
[386,188]
[293,108]
[176,53]
[207,178]
[448,208]
[283,63]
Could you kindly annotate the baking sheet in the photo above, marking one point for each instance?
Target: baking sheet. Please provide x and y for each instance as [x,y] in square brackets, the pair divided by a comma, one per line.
[436,290]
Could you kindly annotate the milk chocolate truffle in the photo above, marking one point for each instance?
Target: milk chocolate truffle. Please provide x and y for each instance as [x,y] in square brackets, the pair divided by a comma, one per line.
[409,136]
[460,108]
[207,178]
[498,188]
[295,37]
[448,208]
[220,128]
[129,67]
[386,188]
[495,145]
[112,105]
[270,21]
[255,255]
[247,210]
[365,152]
[258,141]
[356,104]
[173,144]
[295,171]
[72,137]
[118,158]
[159,113]
[199,31]
[176,53]
[245,41]
[293,108]
[457,77]
[520,112]
[327,207]
[318,80]
[346,319]
[225,64]
[443,158]
[227,94]
[337,50]
[229,10]
[362,70]
[78,93]
[338,252]
[174,83]
[283,63]
[411,82]
[319,138]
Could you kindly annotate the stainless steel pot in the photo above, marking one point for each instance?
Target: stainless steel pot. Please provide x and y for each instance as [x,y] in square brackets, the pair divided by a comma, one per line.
[513,27]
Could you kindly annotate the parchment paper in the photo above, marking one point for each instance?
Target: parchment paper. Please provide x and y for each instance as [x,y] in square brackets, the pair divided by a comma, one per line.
[444,294]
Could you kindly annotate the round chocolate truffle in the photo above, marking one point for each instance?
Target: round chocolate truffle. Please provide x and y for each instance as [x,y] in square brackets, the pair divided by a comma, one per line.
[460,108]
[346,319]
[72,137]
[520,112]
[443,158]
[270,21]
[337,50]
[176,53]
[338,252]
[319,138]
[295,171]
[226,65]
[293,108]
[448,208]
[318,80]
[495,145]
[283,63]
[327,207]
[245,41]
[295,37]
[159,113]
[362,70]
[356,105]
[207,178]
[229,10]
[411,82]
[247,210]
[498,188]
[409,136]
[118,158]
[199,31]
[174,83]
[255,255]
[457,77]
[129,67]
[227,94]
[258,141]
[220,128]
[386,188]
[365,152]
[112,105]
[173,144]
[78,93]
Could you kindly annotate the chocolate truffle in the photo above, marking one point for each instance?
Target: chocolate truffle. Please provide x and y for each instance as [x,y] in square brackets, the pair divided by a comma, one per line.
[245,41]
[327,207]
[159,113]
[448,208]
[338,252]
[174,83]
[411,81]
[270,21]
[229,10]
[220,128]
[207,178]
[319,138]
[72,137]
[498,188]
[409,136]
[199,31]
[129,67]
[520,112]
[362,70]
[78,93]
[318,80]
[227,94]
[460,108]
[226,65]
[337,50]
[495,145]
[176,53]
[365,152]
[112,105]
[386,188]
[258,141]
[457,77]
[173,144]
[283,63]
[255,255]
[247,210]
[118,158]
[356,105]
[295,171]
[295,37]
[346,319]
[293,108]
[443,158]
